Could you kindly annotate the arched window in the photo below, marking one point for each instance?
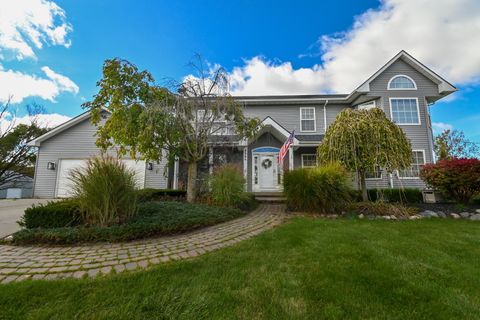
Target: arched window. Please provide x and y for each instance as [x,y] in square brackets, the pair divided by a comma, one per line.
[401,82]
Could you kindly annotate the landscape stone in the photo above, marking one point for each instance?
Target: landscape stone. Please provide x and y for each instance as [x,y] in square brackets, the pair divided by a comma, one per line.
[455,215]
[477,211]
[429,214]
[475,217]
[441,214]
[465,215]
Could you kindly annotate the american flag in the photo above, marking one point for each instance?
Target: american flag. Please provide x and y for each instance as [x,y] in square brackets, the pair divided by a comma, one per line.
[284,148]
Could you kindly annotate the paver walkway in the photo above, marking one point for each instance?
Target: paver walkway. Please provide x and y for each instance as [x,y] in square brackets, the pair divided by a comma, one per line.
[35,262]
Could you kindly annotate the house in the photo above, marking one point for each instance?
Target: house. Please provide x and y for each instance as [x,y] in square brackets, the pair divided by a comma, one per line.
[403,88]
[16,187]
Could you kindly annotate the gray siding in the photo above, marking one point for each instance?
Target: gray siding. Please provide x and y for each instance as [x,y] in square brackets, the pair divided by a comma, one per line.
[78,142]
[288,116]
[420,135]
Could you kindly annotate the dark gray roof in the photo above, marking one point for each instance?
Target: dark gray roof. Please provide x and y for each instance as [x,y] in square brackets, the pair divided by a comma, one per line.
[309,137]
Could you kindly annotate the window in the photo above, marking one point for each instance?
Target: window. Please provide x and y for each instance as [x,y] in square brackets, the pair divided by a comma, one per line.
[307,120]
[367,105]
[418,159]
[401,82]
[309,160]
[377,174]
[404,110]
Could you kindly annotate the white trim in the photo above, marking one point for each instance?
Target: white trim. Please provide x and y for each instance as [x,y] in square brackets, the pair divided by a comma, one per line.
[175,173]
[325,117]
[290,158]
[314,119]
[405,98]
[358,106]
[309,154]
[245,166]
[277,186]
[424,162]
[269,122]
[401,75]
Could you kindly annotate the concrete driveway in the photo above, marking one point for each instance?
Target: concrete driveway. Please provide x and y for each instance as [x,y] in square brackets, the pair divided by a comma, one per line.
[11,211]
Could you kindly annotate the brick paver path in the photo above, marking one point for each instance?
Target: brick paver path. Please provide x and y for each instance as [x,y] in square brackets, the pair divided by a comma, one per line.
[20,263]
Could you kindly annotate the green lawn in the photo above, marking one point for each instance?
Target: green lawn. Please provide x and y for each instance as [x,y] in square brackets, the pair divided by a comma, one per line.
[305,269]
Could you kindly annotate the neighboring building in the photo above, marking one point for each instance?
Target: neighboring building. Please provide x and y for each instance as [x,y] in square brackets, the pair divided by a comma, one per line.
[403,88]
[19,187]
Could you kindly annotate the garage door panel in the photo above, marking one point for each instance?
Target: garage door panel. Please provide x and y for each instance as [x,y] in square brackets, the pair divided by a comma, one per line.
[64,184]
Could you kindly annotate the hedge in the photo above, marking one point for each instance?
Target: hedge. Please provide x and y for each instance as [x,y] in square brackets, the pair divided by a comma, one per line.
[408,195]
[54,214]
[151,194]
[154,218]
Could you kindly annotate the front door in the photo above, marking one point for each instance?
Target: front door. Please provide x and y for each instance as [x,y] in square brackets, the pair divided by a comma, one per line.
[267,172]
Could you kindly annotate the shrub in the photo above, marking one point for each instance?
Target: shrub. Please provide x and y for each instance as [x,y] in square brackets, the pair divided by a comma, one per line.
[154,218]
[323,189]
[403,195]
[457,179]
[381,208]
[105,191]
[227,186]
[151,194]
[54,214]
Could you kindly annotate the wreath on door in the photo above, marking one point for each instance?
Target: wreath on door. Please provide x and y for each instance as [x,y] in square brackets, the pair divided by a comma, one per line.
[267,163]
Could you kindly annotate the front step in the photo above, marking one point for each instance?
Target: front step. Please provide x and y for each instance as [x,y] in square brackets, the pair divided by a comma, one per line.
[270,197]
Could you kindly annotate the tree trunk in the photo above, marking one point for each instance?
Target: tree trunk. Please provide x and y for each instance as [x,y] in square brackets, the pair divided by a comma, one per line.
[363,185]
[191,182]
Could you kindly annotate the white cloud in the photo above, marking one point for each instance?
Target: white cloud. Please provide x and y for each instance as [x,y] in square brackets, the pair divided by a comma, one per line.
[47,120]
[443,34]
[26,25]
[439,127]
[18,86]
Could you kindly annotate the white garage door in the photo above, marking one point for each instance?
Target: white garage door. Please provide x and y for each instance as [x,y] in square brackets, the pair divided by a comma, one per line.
[64,185]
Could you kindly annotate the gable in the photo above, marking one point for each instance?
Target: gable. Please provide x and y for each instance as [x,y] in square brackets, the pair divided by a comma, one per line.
[444,87]
[426,85]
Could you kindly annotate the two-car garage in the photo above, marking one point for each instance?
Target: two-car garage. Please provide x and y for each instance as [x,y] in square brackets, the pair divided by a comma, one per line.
[65,166]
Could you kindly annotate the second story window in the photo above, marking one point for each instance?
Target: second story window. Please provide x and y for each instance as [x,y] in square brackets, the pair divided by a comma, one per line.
[307,119]
[404,110]
[401,82]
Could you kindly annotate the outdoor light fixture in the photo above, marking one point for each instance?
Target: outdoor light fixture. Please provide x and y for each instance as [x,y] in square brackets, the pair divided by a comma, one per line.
[149,166]
[51,165]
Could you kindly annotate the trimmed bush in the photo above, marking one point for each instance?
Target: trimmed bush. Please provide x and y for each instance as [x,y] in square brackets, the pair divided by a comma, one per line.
[105,191]
[151,194]
[324,189]
[54,214]
[381,208]
[154,218]
[457,179]
[227,186]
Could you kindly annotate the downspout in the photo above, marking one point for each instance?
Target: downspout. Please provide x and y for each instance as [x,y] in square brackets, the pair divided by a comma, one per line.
[325,116]
[429,130]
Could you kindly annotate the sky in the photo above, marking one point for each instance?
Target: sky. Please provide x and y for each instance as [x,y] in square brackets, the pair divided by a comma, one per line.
[51,52]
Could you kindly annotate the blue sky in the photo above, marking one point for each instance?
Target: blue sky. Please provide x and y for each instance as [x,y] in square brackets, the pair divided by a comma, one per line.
[278,47]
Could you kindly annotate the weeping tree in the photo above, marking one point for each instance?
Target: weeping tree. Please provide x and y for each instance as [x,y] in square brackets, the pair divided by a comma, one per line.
[146,118]
[363,141]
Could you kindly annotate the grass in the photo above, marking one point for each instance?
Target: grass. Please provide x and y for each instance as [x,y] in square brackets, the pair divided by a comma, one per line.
[306,269]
